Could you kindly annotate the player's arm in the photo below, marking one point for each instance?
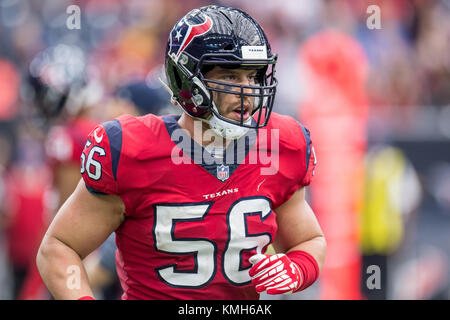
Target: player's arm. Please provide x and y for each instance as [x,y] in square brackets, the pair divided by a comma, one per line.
[298,228]
[101,266]
[300,240]
[81,225]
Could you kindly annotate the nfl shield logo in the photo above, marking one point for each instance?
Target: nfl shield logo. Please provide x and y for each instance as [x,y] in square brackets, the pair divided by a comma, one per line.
[223,172]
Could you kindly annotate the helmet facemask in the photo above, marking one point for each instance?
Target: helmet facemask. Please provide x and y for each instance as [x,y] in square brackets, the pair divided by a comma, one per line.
[202,92]
[262,92]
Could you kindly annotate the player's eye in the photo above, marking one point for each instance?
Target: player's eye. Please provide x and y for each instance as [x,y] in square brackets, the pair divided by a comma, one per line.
[252,79]
[229,77]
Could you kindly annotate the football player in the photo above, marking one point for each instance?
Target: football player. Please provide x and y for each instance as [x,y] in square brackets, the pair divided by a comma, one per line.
[62,101]
[59,100]
[196,199]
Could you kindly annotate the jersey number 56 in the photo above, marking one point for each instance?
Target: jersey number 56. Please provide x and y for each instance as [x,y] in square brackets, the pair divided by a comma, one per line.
[205,250]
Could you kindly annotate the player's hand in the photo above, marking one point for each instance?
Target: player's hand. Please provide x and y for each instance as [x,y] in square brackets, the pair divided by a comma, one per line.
[275,274]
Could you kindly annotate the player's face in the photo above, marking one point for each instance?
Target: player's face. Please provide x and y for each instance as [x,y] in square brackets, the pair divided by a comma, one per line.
[229,104]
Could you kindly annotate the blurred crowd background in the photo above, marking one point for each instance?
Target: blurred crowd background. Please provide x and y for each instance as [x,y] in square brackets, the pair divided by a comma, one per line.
[377,103]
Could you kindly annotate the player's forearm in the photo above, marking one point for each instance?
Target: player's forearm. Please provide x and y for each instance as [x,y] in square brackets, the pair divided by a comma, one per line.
[316,247]
[62,270]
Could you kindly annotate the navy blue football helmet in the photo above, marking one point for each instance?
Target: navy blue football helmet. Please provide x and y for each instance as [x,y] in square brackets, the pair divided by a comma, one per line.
[57,86]
[220,36]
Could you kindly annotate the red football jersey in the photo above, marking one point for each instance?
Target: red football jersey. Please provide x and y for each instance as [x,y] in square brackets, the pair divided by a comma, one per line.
[192,221]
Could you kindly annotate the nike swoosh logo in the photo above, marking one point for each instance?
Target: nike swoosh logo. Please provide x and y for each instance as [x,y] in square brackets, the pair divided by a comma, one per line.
[259,185]
[98,139]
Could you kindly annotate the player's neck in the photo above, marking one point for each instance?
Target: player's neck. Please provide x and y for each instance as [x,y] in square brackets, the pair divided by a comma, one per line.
[207,136]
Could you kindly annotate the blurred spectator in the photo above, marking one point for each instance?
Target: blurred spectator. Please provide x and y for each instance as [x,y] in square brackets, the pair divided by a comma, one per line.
[392,193]
[26,207]
[9,90]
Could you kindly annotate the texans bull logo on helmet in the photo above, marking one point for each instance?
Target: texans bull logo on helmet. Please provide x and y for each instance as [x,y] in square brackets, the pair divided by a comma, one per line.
[183,33]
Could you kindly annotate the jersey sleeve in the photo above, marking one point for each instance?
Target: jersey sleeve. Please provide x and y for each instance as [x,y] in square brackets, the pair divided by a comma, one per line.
[310,158]
[297,160]
[100,158]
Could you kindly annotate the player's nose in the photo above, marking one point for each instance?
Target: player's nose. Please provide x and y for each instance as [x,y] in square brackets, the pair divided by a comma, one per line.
[245,85]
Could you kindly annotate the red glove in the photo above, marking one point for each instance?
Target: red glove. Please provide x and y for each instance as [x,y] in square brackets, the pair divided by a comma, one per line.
[275,274]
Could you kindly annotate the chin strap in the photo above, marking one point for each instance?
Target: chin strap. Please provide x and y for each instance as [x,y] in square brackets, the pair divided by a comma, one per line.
[227,130]
[222,128]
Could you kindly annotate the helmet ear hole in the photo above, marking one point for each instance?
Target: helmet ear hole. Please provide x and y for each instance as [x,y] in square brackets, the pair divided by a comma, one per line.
[199,97]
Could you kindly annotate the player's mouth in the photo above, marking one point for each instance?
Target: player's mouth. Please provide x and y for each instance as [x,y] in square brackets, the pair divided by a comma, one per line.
[239,112]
